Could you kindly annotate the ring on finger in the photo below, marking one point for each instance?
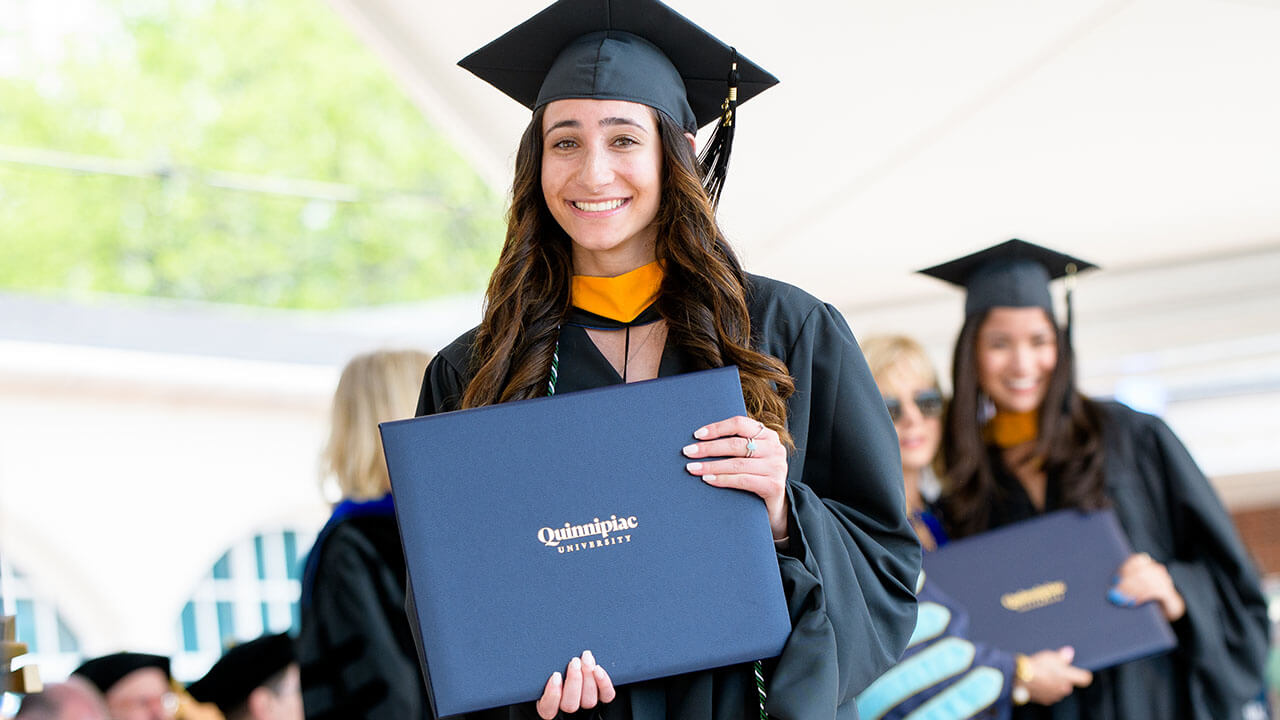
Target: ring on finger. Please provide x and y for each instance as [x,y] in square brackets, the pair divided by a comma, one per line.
[751,447]
[758,432]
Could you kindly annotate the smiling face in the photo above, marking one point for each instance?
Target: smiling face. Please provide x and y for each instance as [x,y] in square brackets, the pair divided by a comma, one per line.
[1017,351]
[602,180]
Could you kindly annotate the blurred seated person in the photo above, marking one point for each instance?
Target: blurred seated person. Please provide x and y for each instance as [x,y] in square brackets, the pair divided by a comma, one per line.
[256,680]
[354,644]
[136,685]
[943,675]
[75,699]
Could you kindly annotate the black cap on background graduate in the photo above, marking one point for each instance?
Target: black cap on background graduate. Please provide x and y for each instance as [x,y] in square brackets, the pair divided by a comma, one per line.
[635,50]
[1014,273]
[106,671]
[241,670]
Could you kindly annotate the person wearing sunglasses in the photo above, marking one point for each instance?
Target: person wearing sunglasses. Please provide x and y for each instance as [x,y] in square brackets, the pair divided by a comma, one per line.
[910,389]
[926,682]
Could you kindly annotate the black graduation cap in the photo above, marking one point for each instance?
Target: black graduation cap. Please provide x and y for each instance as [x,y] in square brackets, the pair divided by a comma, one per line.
[1014,273]
[635,50]
[104,672]
[242,669]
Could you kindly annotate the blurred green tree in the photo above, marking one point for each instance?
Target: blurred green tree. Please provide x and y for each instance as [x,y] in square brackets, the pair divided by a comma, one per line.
[240,151]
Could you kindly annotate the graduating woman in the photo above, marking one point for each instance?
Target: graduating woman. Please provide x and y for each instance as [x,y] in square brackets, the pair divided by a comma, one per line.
[614,270]
[1020,441]
[944,675]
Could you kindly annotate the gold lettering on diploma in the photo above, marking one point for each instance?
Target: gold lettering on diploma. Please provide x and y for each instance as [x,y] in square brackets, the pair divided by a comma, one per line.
[588,536]
[1035,597]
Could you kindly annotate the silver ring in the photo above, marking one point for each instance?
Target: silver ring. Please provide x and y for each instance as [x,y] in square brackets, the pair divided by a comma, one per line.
[751,447]
[758,432]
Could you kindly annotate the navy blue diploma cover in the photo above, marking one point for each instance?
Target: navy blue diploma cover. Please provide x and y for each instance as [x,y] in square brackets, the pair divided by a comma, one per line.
[538,529]
[1042,583]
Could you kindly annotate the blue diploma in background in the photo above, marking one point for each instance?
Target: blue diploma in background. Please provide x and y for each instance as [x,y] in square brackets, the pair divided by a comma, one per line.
[536,530]
[1042,583]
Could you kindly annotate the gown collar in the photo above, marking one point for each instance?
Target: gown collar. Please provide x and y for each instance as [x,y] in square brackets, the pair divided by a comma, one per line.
[1009,429]
[617,301]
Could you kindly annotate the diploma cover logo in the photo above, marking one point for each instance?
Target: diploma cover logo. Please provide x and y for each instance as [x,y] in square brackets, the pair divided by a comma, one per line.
[595,534]
[1035,597]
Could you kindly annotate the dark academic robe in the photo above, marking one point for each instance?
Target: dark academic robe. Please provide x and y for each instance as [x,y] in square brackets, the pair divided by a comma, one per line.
[853,559]
[354,646]
[1170,511]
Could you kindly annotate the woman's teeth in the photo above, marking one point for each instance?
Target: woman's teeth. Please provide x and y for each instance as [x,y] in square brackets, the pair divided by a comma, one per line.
[598,206]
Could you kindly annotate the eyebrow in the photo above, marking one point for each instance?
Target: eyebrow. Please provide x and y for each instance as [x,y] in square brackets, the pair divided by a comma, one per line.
[604,122]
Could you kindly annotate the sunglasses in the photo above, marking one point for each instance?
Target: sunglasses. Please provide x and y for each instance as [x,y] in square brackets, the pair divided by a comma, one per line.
[928,402]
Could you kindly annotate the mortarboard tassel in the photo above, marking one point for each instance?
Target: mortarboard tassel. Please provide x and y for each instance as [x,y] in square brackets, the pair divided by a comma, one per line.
[714,160]
[1070,283]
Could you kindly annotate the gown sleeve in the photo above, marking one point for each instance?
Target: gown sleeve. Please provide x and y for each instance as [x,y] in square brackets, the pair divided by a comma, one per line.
[1223,636]
[850,570]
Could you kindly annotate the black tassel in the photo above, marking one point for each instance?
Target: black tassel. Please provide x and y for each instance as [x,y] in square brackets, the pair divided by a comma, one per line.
[714,160]
[1070,353]
[1070,282]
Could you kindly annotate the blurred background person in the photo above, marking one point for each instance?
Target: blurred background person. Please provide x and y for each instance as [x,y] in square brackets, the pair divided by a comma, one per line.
[910,389]
[1019,440]
[137,686]
[993,681]
[256,680]
[75,699]
[355,647]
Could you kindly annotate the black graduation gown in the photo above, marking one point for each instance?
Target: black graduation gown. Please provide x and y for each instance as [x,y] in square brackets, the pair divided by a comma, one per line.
[853,560]
[354,645]
[1168,510]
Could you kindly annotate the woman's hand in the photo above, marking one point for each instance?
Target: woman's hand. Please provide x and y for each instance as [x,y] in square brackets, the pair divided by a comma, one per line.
[1050,676]
[755,461]
[585,684]
[1141,579]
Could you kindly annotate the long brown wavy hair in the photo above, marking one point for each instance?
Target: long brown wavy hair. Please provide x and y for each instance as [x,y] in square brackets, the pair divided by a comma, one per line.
[1069,444]
[702,298]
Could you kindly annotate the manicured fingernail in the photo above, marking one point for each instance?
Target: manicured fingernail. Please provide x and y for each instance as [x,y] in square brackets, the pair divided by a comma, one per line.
[600,673]
[1119,598]
[700,433]
[588,659]
[556,679]
[690,450]
[708,478]
[693,467]
[574,664]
